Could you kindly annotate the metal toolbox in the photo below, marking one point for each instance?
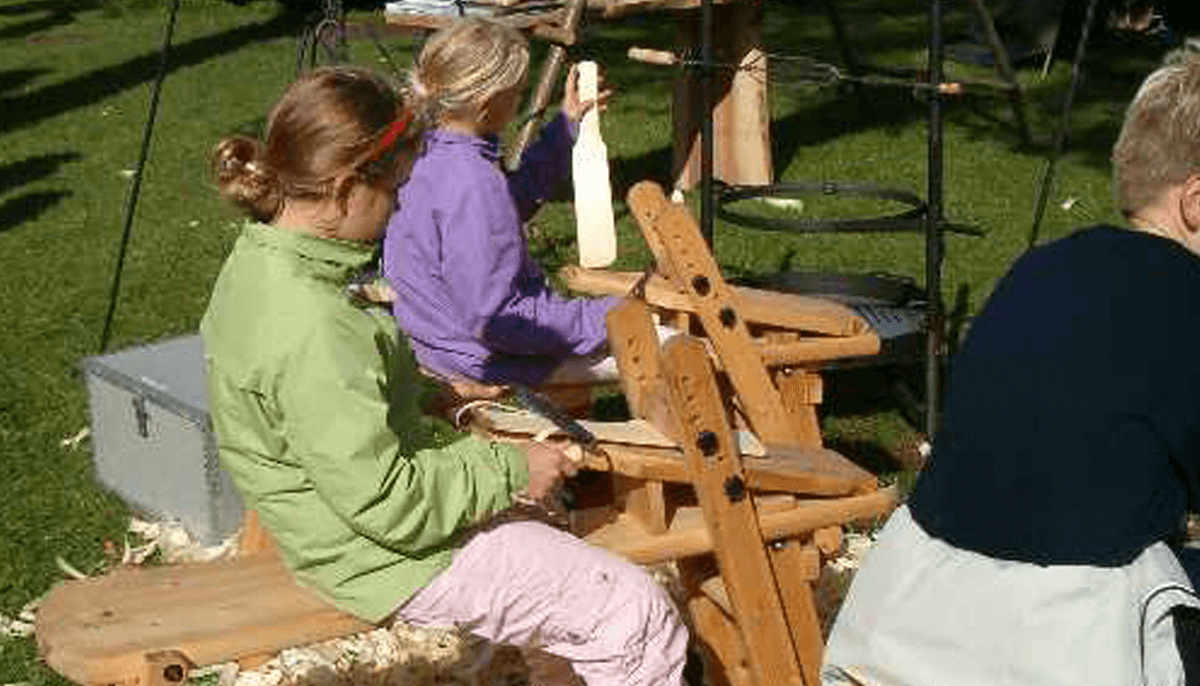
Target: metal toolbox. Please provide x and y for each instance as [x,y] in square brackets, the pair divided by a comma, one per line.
[153,440]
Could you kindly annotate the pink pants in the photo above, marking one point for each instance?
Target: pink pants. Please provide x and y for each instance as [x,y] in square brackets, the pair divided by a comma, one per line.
[529,584]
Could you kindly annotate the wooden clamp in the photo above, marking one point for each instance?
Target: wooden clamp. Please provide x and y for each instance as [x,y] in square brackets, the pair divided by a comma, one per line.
[729,513]
[685,259]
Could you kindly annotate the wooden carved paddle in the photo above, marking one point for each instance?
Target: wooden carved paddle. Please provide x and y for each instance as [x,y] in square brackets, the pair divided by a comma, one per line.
[589,168]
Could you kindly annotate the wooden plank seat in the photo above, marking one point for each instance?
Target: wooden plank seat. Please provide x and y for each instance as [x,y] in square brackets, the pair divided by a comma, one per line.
[151,626]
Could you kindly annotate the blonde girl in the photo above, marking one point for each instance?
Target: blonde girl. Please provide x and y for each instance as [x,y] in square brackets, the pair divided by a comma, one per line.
[469,295]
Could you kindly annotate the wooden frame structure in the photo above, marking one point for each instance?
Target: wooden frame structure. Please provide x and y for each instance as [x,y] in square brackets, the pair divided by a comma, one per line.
[747,530]
[747,522]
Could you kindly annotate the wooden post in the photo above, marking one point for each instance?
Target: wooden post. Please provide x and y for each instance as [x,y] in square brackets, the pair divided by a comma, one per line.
[801,392]
[634,345]
[741,117]
[729,513]
[800,566]
[253,538]
[556,57]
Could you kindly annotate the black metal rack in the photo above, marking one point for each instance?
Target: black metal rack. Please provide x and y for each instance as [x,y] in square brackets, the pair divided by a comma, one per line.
[926,216]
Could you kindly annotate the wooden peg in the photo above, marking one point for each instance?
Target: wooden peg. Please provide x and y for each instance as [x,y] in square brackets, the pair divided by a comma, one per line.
[165,668]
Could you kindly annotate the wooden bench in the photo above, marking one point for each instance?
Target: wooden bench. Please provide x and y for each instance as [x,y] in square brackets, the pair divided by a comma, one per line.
[152,626]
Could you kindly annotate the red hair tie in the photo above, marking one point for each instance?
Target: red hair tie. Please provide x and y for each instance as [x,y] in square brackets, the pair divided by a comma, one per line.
[392,134]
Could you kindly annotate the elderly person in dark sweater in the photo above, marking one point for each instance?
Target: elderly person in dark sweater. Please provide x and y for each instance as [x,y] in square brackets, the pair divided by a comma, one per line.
[1042,543]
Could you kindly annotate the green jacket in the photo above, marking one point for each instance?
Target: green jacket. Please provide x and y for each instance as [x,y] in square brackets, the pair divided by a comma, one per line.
[315,402]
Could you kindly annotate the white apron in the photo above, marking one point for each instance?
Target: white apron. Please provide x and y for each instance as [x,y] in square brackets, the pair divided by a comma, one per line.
[921,612]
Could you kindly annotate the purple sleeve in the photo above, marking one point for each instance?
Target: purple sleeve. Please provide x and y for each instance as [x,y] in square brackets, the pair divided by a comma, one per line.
[502,294]
[548,324]
[544,167]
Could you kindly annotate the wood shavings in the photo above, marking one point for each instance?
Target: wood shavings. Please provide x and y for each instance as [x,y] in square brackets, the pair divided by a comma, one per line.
[836,574]
[176,545]
[23,624]
[68,569]
[15,628]
[72,442]
[402,655]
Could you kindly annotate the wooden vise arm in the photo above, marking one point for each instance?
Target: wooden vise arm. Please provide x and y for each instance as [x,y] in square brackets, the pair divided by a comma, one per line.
[783,310]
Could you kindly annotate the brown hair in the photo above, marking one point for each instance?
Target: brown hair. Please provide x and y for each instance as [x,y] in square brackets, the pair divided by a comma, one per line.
[1159,145]
[463,65]
[327,122]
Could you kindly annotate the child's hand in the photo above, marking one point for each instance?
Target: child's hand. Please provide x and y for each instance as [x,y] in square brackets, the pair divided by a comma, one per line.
[548,463]
[572,106]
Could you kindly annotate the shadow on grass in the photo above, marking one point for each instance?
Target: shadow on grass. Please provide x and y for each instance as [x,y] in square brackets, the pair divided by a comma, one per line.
[15,174]
[59,14]
[868,454]
[1109,77]
[865,392]
[23,208]
[35,106]
[654,165]
[12,79]
[19,8]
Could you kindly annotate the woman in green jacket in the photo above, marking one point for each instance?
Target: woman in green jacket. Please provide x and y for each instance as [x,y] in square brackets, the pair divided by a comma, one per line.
[314,396]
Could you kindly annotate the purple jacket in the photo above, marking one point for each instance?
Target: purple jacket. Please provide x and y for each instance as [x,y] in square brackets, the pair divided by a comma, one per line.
[469,295]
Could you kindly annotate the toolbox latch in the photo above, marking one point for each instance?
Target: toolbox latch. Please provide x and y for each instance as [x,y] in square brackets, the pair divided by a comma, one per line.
[142,417]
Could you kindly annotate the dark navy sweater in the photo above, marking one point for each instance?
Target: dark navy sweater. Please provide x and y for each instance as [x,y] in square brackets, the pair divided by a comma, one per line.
[1071,432]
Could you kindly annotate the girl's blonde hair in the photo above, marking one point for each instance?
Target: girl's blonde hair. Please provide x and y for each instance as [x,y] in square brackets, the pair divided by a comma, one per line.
[1159,145]
[330,121]
[465,64]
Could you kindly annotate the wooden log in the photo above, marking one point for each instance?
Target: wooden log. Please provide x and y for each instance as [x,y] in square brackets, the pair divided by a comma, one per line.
[828,540]
[798,388]
[724,651]
[643,499]
[740,113]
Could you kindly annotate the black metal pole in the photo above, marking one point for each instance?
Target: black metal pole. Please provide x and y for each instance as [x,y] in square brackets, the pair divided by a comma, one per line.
[934,224]
[1063,133]
[706,121]
[136,189]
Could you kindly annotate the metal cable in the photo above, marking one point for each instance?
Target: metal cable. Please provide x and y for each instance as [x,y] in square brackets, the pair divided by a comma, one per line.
[136,189]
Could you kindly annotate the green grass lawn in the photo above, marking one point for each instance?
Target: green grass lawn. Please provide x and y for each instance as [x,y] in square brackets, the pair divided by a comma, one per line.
[74,88]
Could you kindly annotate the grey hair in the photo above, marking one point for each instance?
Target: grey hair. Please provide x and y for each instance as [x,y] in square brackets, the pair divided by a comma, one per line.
[1159,145]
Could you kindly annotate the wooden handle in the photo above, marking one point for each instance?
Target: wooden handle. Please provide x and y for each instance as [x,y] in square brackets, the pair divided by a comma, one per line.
[589,89]
[662,58]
